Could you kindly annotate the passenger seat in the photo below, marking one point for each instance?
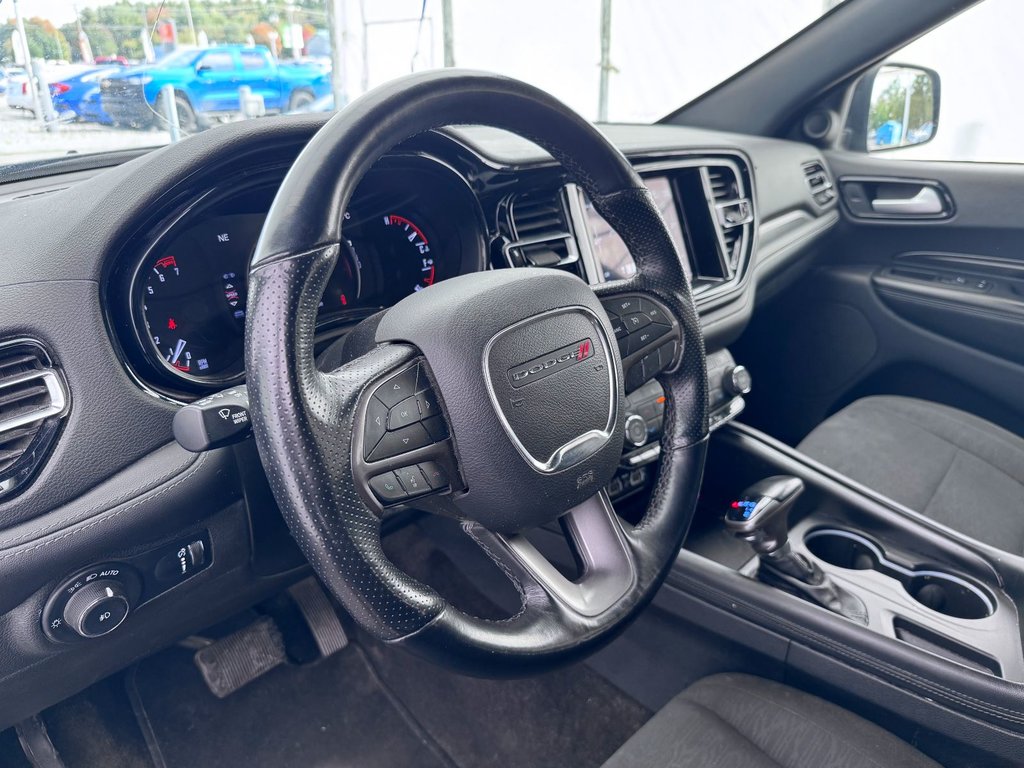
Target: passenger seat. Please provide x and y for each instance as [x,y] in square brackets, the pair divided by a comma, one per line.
[955,468]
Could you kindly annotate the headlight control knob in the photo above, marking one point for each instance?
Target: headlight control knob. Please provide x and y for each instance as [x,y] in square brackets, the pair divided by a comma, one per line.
[97,608]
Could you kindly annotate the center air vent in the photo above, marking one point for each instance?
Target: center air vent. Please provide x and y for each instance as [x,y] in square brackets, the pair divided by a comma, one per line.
[541,235]
[820,183]
[733,212]
[33,400]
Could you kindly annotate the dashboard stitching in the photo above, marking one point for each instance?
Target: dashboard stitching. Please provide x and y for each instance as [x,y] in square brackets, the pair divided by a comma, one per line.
[161,492]
[107,505]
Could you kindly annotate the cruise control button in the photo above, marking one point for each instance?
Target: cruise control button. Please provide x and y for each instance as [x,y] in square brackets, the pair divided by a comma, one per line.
[412,480]
[427,403]
[376,425]
[618,326]
[636,321]
[401,441]
[436,427]
[653,311]
[397,388]
[647,335]
[404,414]
[387,488]
[624,346]
[624,305]
[437,478]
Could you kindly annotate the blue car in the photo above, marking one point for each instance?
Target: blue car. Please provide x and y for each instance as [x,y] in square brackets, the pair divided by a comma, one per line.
[206,85]
[78,97]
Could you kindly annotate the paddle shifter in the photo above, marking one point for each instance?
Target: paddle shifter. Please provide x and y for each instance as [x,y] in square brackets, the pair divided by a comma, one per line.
[760,517]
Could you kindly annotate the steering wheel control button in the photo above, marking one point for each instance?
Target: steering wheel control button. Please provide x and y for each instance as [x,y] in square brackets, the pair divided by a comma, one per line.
[436,428]
[376,425]
[401,441]
[635,322]
[624,305]
[387,488]
[437,478]
[398,388]
[412,480]
[426,401]
[97,608]
[649,335]
[656,313]
[405,413]
[213,422]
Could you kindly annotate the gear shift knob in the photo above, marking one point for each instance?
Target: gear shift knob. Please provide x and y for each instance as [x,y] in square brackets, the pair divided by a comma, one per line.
[761,515]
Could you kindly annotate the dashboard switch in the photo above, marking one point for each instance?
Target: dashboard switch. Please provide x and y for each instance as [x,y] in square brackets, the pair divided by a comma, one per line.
[97,608]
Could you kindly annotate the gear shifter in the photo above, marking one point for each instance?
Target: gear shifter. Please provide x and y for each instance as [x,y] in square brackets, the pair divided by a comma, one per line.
[760,517]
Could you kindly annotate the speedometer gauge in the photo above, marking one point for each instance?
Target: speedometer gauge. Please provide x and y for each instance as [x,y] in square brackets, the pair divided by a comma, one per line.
[407,236]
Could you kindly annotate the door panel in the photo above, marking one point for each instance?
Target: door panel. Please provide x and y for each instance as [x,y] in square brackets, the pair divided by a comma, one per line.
[921,304]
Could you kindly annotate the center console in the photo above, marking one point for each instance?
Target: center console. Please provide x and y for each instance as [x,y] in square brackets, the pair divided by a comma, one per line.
[928,635]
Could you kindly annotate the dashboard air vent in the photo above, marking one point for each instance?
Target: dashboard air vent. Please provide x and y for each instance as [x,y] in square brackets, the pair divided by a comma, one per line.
[33,400]
[541,234]
[820,183]
[733,212]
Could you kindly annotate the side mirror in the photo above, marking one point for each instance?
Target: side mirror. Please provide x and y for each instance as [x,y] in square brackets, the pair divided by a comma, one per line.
[893,106]
[203,68]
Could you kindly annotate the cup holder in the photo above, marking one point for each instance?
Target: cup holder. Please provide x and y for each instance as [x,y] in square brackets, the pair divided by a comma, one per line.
[940,591]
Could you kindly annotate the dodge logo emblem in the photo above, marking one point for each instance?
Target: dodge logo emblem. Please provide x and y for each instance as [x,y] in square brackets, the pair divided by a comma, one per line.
[558,360]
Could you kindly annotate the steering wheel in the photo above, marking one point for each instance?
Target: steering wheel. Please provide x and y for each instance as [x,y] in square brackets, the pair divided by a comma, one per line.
[493,398]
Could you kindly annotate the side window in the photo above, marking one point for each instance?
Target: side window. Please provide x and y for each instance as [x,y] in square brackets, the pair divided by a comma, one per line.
[253,60]
[217,62]
[968,72]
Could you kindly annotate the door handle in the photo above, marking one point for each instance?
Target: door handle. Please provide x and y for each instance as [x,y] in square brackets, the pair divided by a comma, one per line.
[927,202]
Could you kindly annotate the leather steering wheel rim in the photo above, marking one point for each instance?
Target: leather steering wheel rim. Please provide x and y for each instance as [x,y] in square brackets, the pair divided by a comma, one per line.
[304,419]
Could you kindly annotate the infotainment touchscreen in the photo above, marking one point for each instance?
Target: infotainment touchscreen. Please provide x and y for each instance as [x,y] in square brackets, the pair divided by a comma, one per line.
[613,258]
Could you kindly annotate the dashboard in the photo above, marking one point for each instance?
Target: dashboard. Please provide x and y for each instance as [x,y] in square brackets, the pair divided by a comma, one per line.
[426,213]
[136,294]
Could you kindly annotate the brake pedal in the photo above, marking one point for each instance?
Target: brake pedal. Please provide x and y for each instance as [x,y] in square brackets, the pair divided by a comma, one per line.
[320,616]
[240,658]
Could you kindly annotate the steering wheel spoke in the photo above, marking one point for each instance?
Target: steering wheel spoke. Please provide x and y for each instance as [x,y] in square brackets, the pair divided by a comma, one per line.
[595,534]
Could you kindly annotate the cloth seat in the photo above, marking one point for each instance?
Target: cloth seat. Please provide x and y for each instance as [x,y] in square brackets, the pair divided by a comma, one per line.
[739,721]
[958,469]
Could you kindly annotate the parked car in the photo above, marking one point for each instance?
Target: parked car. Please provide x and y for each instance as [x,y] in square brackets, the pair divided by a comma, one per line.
[120,61]
[19,90]
[6,74]
[78,97]
[18,94]
[206,84]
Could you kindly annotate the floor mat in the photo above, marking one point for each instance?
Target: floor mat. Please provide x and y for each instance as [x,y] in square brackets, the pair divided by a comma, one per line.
[331,714]
[568,717]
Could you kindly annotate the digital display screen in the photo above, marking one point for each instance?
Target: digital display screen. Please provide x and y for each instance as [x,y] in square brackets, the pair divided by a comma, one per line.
[613,258]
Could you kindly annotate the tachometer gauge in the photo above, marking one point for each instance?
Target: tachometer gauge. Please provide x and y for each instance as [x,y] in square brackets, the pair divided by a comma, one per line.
[195,323]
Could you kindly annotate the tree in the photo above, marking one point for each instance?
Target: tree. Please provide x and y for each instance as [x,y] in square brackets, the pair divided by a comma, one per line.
[45,41]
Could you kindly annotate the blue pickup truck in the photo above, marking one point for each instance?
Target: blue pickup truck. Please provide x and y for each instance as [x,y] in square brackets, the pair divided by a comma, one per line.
[206,86]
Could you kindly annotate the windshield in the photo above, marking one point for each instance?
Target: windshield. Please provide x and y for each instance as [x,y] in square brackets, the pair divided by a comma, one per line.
[611,60]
